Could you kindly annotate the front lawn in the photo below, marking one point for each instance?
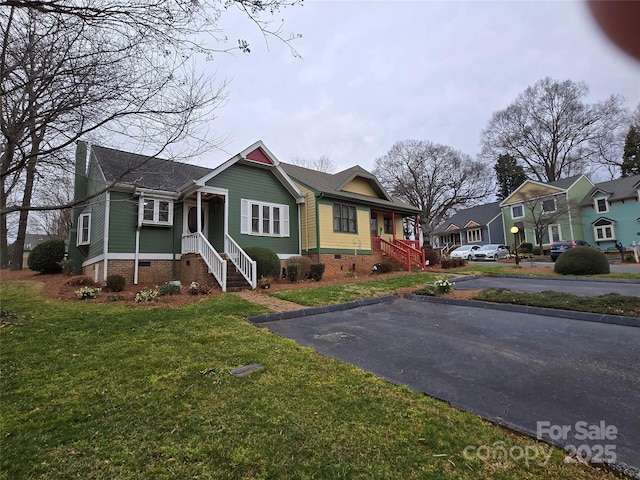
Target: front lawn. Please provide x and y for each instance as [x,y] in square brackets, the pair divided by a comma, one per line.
[118,392]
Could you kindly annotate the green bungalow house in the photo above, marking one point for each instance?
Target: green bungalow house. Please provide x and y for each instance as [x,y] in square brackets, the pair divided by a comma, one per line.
[611,213]
[350,222]
[154,220]
[552,209]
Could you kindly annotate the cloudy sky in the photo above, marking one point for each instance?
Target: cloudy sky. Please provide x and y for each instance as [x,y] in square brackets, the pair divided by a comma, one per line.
[375,72]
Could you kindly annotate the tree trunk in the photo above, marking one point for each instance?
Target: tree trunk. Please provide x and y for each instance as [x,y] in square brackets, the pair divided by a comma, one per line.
[18,250]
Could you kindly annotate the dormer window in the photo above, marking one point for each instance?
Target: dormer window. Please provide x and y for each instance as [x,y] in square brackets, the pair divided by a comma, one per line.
[602,205]
[156,211]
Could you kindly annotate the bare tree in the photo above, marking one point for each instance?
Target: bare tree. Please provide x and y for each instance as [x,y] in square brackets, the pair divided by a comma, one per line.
[552,132]
[544,211]
[321,164]
[102,67]
[435,178]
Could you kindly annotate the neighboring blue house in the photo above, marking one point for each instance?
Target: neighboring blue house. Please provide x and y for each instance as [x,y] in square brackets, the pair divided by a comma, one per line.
[611,213]
[479,225]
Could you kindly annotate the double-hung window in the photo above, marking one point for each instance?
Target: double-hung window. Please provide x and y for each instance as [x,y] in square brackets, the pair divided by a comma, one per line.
[84,229]
[264,219]
[156,211]
[549,205]
[602,205]
[344,218]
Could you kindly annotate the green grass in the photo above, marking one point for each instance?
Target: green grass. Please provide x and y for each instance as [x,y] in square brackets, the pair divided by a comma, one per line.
[611,303]
[510,269]
[313,297]
[107,391]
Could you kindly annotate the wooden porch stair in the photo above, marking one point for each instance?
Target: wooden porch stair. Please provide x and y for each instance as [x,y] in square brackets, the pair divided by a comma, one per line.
[401,251]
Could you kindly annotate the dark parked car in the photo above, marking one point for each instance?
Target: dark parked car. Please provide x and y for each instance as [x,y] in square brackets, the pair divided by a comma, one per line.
[558,248]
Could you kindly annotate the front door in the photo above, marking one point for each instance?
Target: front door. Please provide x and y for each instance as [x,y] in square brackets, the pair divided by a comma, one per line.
[191,218]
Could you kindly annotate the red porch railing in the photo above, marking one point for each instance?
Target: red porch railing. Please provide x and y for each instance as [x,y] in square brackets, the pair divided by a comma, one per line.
[399,251]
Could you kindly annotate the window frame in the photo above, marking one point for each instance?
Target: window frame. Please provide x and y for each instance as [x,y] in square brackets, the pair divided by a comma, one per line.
[555,205]
[80,240]
[603,229]
[596,204]
[474,235]
[513,207]
[155,220]
[276,226]
[345,222]
[387,223]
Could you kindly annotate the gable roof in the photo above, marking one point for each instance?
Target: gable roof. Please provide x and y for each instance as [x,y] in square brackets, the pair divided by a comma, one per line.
[481,215]
[332,185]
[256,155]
[615,190]
[561,185]
[142,171]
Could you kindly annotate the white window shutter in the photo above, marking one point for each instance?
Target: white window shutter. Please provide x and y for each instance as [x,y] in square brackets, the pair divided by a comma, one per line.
[285,221]
[245,220]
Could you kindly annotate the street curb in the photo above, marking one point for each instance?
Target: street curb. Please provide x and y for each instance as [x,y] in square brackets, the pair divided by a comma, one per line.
[551,312]
[306,312]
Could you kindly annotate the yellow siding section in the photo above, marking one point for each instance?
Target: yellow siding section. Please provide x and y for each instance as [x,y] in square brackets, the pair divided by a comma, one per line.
[361,186]
[389,236]
[531,190]
[309,231]
[339,240]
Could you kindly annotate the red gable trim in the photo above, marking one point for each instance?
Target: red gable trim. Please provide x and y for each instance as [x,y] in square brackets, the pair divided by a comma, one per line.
[472,224]
[259,156]
[452,228]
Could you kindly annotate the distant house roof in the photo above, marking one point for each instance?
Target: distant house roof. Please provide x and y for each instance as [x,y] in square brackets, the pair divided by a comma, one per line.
[620,189]
[331,184]
[480,215]
[145,172]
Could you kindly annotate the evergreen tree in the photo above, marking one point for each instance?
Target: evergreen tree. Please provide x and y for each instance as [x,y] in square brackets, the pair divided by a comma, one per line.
[510,175]
[631,156]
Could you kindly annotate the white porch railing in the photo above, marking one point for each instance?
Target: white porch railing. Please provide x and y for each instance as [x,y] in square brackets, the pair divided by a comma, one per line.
[197,243]
[241,260]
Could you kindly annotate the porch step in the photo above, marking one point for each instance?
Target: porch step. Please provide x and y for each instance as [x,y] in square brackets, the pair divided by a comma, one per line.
[235,280]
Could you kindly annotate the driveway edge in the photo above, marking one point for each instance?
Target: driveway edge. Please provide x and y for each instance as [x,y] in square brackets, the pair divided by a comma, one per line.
[306,312]
[552,312]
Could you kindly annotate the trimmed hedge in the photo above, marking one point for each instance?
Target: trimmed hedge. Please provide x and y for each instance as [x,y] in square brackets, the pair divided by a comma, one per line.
[268,263]
[316,271]
[432,257]
[582,261]
[115,283]
[303,262]
[293,272]
[46,257]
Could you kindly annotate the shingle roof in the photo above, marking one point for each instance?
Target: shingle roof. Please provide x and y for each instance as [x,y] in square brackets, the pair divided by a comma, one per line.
[480,214]
[619,189]
[565,183]
[143,171]
[329,184]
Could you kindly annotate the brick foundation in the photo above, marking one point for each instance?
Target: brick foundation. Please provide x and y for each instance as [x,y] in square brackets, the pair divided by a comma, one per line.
[339,267]
[149,271]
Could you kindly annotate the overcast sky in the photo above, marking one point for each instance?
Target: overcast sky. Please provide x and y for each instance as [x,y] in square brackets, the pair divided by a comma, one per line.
[373,73]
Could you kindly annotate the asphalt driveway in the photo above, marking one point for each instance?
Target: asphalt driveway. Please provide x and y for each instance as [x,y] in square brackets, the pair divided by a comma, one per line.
[577,286]
[538,374]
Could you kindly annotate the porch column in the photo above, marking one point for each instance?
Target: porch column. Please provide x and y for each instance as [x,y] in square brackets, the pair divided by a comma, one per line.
[199,211]
[393,225]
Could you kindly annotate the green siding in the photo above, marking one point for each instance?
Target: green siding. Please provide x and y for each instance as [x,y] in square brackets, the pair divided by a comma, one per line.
[97,206]
[123,212]
[258,184]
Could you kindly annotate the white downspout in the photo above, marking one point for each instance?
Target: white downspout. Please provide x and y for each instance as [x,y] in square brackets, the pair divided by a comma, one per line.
[105,240]
[299,230]
[137,250]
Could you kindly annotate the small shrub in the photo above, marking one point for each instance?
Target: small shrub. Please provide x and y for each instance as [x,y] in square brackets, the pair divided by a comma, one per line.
[87,292]
[66,265]
[80,281]
[146,296]
[46,257]
[452,262]
[443,286]
[537,251]
[303,262]
[432,257]
[265,282]
[114,298]
[525,247]
[582,261]
[169,289]
[267,261]
[293,271]
[316,271]
[382,267]
[630,259]
[115,283]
